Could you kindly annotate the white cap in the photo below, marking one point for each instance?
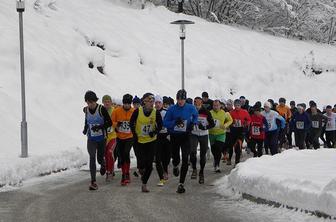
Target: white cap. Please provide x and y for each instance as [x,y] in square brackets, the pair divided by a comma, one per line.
[267,104]
[158,98]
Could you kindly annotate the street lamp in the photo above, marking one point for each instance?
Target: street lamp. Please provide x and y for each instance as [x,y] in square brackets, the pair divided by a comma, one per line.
[182,24]
[20,7]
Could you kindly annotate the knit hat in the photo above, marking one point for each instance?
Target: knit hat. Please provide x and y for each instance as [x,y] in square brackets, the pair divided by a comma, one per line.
[136,100]
[158,98]
[267,104]
[106,98]
[181,94]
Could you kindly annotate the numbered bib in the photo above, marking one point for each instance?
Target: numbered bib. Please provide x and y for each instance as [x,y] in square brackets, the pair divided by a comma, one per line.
[315,124]
[95,133]
[300,125]
[217,123]
[255,130]
[124,127]
[329,123]
[145,129]
[237,123]
[181,128]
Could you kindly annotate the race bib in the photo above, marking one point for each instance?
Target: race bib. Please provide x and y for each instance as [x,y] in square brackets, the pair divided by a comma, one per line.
[217,123]
[145,129]
[300,125]
[237,123]
[124,127]
[315,124]
[182,127]
[255,130]
[95,133]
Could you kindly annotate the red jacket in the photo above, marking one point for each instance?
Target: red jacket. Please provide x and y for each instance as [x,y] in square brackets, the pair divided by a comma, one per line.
[257,129]
[241,118]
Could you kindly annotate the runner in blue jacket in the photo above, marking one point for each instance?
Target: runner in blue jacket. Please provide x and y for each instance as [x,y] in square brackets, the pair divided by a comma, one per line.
[300,124]
[180,119]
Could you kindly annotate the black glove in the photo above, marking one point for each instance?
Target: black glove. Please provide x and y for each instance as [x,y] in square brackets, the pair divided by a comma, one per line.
[96,128]
[179,122]
[152,134]
[84,131]
[190,127]
[201,127]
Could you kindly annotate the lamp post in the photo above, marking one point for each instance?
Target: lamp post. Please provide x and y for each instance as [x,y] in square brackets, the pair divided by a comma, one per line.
[182,24]
[20,7]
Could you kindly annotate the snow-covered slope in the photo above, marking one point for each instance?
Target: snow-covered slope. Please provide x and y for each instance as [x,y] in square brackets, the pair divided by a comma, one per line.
[142,53]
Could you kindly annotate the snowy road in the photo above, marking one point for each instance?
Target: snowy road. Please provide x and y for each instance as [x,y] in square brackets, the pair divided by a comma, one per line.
[65,197]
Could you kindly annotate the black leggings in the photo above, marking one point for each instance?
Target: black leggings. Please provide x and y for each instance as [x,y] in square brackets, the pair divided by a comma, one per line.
[259,143]
[123,149]
[330,138]
[181,142]
[216,149]
[146,153]
[163,154]
[203,141]
[93,148]
[236,143]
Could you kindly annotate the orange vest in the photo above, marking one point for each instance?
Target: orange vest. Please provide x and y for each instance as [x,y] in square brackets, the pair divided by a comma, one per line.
[285,112]
[121,122]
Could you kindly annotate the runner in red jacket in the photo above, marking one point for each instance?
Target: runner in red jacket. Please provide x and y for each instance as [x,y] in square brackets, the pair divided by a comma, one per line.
[257,132]
[241,121]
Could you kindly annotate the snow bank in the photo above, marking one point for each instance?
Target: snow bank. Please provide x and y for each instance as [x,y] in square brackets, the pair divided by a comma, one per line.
[15,173]
[304,179]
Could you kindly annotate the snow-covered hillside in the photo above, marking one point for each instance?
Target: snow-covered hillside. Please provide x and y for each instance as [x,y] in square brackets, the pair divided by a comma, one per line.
[142,53]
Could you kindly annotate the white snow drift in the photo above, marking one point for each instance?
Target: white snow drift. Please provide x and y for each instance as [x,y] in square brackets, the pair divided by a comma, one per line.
[303,179]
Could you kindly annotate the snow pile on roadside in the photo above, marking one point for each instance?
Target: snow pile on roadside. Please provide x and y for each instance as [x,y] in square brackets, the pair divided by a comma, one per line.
[304,179]
[22,169]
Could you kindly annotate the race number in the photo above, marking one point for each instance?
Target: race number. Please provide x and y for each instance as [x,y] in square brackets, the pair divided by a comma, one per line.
[237,123]
[145,129]
[182,127]
[95,133]
[217,123]
[300,125]
[124,127]
[255,130]
[315,124]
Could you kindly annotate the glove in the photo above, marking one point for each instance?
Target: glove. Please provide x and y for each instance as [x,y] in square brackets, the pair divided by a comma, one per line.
[152,134]
[179,122]
[85,131]
[201,127]
[96,128]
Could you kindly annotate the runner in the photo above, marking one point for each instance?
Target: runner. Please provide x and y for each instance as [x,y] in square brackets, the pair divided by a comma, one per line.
[180,120]
[257,131]
[200,134]
[163,153]
[121,122]
[241,120]
[222,120]
[136,102]
[286,113]
[318,120]
[146,122]
[272,132]
[227,143]
[330,129]
[207,103]
[97,121]
[301,124]
[110,141]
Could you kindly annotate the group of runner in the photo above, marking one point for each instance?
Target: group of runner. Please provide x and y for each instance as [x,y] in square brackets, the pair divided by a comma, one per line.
[160,130]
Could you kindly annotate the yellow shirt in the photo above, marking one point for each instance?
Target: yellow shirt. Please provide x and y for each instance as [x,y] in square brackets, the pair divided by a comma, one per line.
[222,121]
[144,125]
[111,133]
